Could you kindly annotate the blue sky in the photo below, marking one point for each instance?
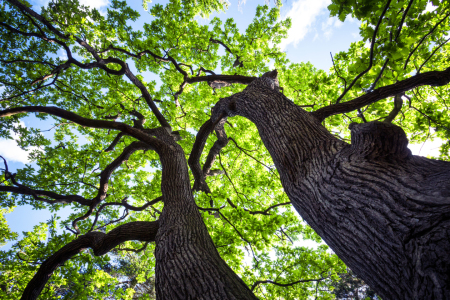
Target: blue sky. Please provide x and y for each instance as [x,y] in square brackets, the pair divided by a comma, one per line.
[312,37]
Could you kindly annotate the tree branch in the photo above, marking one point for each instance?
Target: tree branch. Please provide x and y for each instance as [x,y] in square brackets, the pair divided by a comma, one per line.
[371,54]
[24,190]
[221,142]
[403,19]
[398,102]
[432,78]
[423,38]
[222,78]
[284,284]
[194,157]
[104,178]
[431,55]
[237,62]
[126,205]
[155,144]
[100,243]
[100,62]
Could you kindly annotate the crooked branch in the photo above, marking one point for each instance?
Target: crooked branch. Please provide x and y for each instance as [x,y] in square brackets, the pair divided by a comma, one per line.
[99,242]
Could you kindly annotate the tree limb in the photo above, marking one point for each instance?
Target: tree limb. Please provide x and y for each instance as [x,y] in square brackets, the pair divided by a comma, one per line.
[126,205]
[221,142]
[100,62]
[100,243]
[194,157]
[431,55]
[432,78]
[237,62]
[284,284]
[156,144]
[398,102]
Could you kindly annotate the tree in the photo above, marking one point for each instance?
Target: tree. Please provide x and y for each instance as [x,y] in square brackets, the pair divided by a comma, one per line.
[383,211]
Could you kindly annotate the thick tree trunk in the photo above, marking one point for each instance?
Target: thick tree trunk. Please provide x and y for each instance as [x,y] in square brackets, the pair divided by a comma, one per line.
[188,265]
[384,212]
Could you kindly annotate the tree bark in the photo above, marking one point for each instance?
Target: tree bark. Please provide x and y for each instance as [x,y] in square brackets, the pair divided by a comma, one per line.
[188,265]
[383,211]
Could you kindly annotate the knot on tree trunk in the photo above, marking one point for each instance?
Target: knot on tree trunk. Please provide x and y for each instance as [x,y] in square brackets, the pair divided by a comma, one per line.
[217,84]
[379,140]
[268,80]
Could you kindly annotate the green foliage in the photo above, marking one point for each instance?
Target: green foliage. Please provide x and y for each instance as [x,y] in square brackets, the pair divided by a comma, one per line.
[258,246]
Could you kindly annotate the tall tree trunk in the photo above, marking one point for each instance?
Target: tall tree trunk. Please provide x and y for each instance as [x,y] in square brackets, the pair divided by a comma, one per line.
[385,212]
[188,265]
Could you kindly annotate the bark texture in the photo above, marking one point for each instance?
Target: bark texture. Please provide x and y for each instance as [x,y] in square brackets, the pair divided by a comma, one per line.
[188,265]
[385,212]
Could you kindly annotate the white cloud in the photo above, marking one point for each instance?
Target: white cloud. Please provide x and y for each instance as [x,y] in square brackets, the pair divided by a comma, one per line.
[428,148]
[430,7]
[11,151]
[303,14]
[98,4]
[329,25]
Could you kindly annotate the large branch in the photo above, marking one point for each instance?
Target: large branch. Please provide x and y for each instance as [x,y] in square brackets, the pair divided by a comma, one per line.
[432,78]
[197,150]
[222,141]
[222,78]
[37,195]
[194,157]
[55,111]
[100,243]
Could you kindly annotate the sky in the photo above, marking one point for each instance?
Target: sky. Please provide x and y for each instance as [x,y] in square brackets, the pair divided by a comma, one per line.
[312,37]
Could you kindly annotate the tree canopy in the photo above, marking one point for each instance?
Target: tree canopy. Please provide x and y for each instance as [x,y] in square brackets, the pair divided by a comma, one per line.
[108,86]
